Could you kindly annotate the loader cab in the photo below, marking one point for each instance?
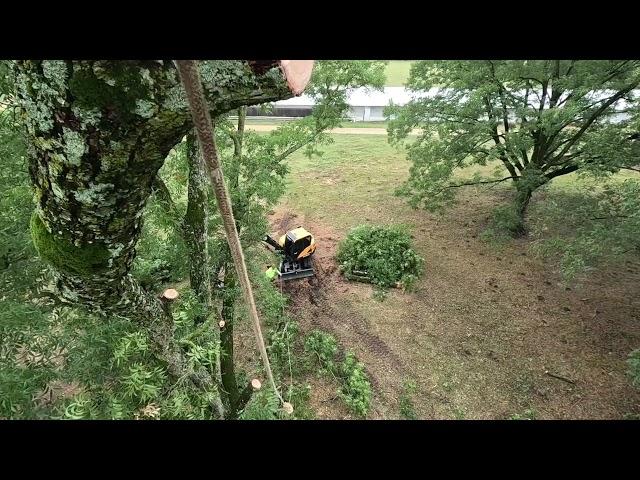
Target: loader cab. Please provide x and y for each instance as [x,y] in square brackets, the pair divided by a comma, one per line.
[298,243]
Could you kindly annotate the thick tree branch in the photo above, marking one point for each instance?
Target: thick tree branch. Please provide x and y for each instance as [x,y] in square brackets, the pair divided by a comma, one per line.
[594,116]
[239,136]
[501,90]
[193,87]
[481,182]
[505,161]
[562,171]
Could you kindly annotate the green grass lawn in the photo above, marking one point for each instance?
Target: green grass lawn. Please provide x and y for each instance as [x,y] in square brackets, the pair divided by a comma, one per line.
[397,72]
[363,171]
[358,171]
[381,124]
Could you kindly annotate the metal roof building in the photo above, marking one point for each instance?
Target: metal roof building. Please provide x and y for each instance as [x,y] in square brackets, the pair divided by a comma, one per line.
[366,104]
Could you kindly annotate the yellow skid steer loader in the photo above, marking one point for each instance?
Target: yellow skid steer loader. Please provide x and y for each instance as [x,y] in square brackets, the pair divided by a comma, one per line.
[297,247]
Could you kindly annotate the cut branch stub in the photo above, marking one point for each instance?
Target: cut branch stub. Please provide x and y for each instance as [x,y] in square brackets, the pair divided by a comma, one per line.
[170,294]
[297,73]
[256,384]
[288,408]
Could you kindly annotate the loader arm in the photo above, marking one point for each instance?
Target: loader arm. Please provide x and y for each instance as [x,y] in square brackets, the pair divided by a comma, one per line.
[268,239]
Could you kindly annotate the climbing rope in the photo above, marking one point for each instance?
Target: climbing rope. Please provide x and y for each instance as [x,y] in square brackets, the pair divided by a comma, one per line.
[190,78]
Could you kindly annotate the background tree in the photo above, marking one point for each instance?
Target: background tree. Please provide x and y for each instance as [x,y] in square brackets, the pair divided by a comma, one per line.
[538,120]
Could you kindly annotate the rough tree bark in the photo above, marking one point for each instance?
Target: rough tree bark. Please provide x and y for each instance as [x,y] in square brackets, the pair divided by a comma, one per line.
[236,398]
[195,226]
[98,132]
[196,234]
[531,179]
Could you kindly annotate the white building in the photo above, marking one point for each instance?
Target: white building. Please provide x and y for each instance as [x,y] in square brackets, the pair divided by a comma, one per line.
[365,104]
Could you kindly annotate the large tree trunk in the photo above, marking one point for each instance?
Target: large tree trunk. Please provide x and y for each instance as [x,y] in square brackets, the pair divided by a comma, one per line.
[196,227]
[98,132]
[523,196]
[531,179]
[236,397]
[196,235]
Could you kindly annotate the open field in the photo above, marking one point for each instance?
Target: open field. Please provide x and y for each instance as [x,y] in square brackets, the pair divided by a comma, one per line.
[274,122]
[486,329]
[346,128]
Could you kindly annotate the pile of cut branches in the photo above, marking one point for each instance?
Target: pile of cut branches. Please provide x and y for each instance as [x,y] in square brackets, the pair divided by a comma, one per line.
[381,255]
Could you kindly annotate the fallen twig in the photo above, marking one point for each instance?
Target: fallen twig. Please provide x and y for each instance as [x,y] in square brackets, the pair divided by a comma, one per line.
[559,377]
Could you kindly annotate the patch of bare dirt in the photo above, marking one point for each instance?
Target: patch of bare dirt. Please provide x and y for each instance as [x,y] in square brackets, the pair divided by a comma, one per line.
[324,400]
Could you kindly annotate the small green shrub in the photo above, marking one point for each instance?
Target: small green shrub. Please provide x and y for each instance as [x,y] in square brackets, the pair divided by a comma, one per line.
[407,409]
[281,348]
[356,389]
[323,348]
[299,395]
[459,413]
[634,367]
[263,405]
[382,254]
[528,414]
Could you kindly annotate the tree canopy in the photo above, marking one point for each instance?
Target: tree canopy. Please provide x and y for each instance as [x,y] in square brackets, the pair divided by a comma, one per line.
[535,119]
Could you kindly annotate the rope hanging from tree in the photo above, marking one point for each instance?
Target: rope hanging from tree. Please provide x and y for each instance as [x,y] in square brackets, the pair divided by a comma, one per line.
[190,78]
